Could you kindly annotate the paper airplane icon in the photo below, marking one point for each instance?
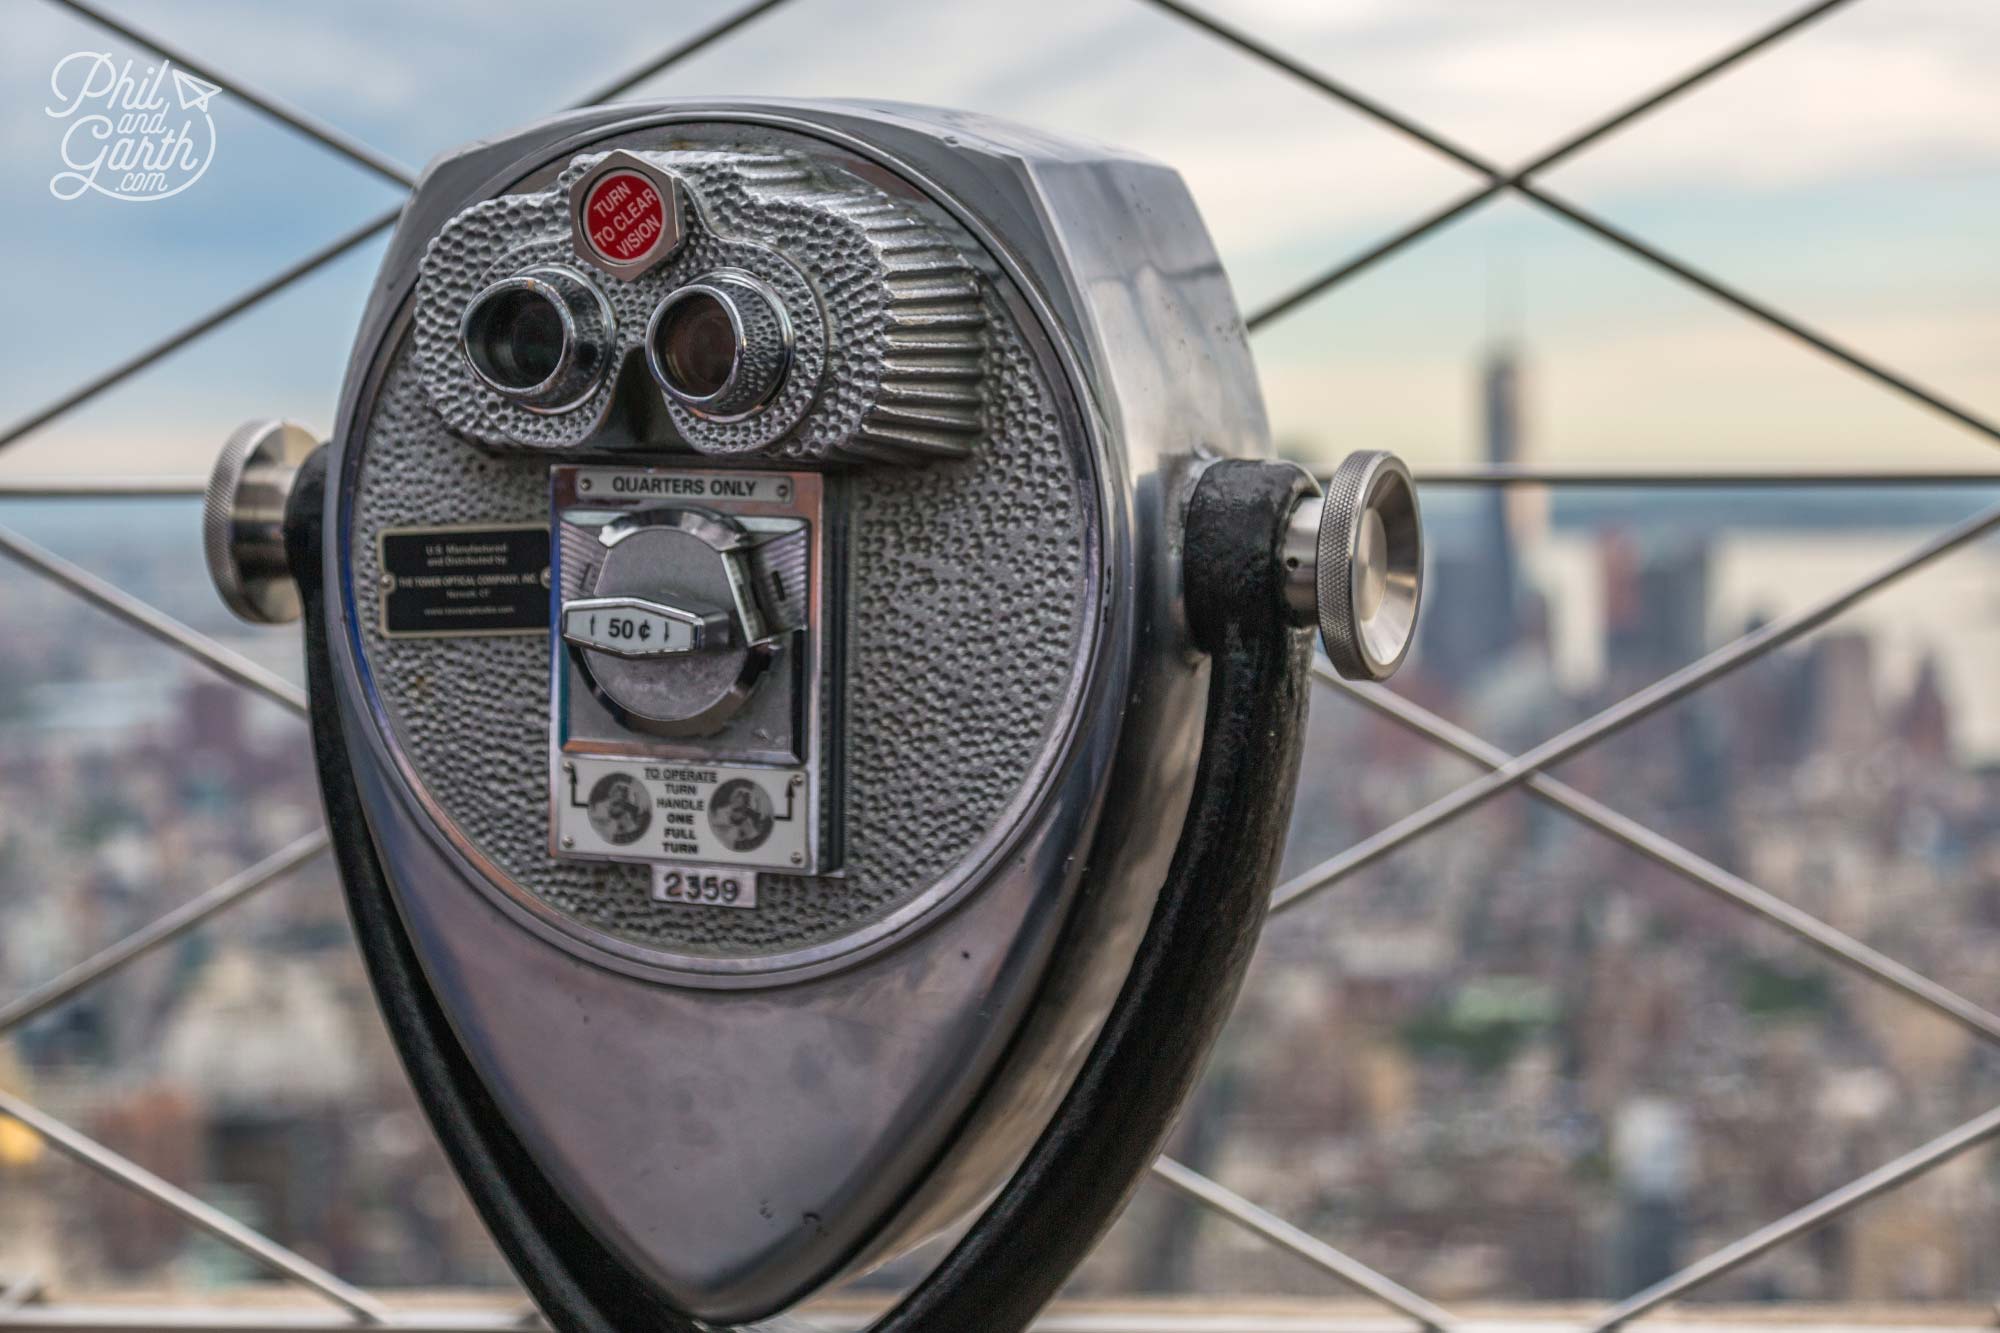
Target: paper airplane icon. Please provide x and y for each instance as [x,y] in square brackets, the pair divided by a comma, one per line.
[194,93]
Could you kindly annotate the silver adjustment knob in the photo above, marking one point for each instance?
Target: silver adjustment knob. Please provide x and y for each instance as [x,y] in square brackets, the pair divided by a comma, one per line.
[243,519]
[1354,559]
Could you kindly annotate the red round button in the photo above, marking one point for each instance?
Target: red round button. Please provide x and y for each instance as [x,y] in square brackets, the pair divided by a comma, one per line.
[624,217]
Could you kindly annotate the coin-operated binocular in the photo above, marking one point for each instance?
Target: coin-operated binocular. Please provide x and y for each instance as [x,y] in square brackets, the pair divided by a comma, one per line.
[807,650]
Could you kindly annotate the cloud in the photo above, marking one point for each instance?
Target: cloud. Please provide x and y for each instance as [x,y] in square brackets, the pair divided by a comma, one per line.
[1878,104]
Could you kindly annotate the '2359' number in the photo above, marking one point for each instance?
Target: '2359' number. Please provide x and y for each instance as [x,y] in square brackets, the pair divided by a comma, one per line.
[676,887]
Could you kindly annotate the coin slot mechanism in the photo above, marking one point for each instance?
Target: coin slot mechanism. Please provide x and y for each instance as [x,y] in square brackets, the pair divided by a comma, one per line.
[689,675]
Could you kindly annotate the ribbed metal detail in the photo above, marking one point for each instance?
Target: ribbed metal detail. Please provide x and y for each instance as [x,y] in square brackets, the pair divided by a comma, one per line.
[218,516]
[1338,631]
[926,356]
[928,403]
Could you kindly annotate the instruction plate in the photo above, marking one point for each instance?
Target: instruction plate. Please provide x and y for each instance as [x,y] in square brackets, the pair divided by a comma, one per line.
[684,810]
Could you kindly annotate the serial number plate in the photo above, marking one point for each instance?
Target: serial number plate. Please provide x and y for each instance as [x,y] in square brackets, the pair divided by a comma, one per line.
[696,887]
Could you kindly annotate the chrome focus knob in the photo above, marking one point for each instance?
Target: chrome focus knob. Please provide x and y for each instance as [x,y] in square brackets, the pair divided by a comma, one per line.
[1354,559]
[243,519]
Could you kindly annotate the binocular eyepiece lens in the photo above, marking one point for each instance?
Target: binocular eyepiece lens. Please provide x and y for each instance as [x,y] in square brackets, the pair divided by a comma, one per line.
[697,345]
[720,347]
[516,339]
[540,338]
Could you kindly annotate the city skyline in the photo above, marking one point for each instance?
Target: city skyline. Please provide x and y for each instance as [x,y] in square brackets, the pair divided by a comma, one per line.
[1514,1061]
[1452,995]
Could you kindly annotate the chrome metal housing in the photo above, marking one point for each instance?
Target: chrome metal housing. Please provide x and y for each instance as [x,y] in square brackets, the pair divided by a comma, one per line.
[664,1100]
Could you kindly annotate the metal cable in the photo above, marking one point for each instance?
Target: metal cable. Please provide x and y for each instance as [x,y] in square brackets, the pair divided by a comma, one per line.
[1367,259]
[1498,181]
[1634,707]
[170,927]
[1501,179]
[311,126]
[1508,474]
[214,319]
[1664,851]
[340,245]
[1750,305]
[1233,1206]
[1809,1218]
[1667,92]
[151,620]
[82,1148]
[676,53]
[100,488]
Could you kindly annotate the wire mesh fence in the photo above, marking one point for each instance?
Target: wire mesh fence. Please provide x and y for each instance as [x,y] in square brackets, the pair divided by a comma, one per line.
[1525,768]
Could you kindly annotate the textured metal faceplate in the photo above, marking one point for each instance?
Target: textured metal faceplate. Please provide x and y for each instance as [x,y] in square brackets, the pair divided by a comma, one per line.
[970,611]
[889,341]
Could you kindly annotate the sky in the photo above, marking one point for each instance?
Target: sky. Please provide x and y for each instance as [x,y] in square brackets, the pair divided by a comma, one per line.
[1850,176]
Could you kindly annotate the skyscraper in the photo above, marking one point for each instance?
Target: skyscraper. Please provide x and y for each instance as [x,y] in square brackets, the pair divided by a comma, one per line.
[1473,612]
